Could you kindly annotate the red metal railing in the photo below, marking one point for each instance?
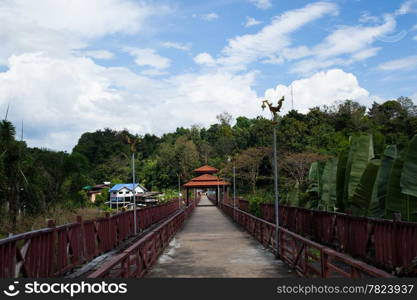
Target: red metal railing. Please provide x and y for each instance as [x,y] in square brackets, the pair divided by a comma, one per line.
[387,244]
[308,258]
[136,260]
[54,251]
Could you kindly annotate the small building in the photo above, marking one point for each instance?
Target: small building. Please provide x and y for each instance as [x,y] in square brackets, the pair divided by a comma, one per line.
[93,191]
[122,194]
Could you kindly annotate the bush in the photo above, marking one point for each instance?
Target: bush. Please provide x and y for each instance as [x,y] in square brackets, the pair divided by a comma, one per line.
[256,199]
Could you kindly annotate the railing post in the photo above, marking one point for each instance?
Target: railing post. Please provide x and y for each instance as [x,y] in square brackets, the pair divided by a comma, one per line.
[81,239]
[323,261]
[52,255]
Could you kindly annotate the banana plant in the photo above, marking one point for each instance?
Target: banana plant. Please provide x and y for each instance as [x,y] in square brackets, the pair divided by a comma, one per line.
[328,179]
[360,202]
[293,198]
[360,153]
[340,179]
[396,201]
[409,172]
[379,192]
[314,177]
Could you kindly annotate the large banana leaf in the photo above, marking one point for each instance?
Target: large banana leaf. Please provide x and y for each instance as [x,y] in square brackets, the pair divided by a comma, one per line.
[397,202]
[380,187]
[360,153]
[360,202]
[313,178]
[409,172]
[328,178]
[340,180]
[293,198]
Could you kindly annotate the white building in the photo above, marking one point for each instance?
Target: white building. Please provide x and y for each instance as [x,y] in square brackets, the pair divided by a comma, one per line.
[122,194]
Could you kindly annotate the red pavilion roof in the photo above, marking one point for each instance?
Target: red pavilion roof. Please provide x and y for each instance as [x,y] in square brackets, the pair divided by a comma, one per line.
[206,169]
[206,180]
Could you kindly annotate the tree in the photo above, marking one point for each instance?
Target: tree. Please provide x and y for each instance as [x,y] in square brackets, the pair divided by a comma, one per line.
[297,165]
[248,164]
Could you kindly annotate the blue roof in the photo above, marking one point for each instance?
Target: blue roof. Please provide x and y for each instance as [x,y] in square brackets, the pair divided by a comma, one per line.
[119,186]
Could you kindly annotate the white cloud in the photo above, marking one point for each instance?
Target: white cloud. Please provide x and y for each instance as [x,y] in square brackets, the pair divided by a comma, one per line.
[252,22]
[97,54]
[176,45]
[57,27]
[205,59]
[206,17]
[262,4]
[344,46]
[87,97]
[153,72]
[414,97]
[409,6]
[406,63]
[368,18]
[323,88]
[270,42]
[148,57]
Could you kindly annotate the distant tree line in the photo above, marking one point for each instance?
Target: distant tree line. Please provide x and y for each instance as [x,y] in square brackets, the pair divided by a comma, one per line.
[33,179]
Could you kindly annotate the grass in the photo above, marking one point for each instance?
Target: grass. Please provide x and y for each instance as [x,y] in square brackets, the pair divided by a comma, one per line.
[59,214]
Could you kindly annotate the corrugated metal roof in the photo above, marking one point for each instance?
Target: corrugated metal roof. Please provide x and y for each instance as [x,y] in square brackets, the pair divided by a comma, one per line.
[129,186]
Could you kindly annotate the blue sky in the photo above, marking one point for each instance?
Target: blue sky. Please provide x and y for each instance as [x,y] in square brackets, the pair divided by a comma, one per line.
[67,67]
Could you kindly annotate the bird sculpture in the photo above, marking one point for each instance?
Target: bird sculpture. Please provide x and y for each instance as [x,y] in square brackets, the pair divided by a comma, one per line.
[132,142]
[273,109]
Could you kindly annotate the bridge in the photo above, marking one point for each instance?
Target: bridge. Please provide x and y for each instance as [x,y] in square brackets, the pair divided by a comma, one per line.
[209,236]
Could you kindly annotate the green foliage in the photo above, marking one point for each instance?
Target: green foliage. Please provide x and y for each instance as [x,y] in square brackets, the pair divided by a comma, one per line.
[168,194]
[360,202]
[328,190]
[314,176]
[257,198]
[360,153]
[102,197]
[409,171]
[293,198]
[340,179]
[34,180]
[380,188]
[396,201]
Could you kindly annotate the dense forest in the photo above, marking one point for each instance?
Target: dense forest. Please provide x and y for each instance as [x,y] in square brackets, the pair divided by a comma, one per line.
[33,180]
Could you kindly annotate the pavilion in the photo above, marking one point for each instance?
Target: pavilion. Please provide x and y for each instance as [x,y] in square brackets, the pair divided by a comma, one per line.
[206,180]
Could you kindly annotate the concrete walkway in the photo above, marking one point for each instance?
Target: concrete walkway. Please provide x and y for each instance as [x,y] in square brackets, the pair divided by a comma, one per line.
[211,245]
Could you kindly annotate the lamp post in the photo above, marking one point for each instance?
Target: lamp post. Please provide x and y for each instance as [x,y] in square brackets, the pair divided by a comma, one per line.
[134,192]
[132,142]
[234,187]
[274,110]
[179,188]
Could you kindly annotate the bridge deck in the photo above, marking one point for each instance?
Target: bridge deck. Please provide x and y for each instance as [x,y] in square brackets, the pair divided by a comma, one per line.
[211,245]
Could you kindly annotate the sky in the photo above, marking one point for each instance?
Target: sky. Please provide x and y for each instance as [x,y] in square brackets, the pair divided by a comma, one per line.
[71,66]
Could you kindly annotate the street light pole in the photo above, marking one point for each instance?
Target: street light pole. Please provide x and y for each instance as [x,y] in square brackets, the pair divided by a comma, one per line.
[275,110]
[134,192]
[179,186]
[234,191]
[276,193]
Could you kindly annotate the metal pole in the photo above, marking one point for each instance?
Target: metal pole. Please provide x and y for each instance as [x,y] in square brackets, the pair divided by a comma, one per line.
[223,194]
[234,191]
[134,192]
[276,194]
[179,187]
